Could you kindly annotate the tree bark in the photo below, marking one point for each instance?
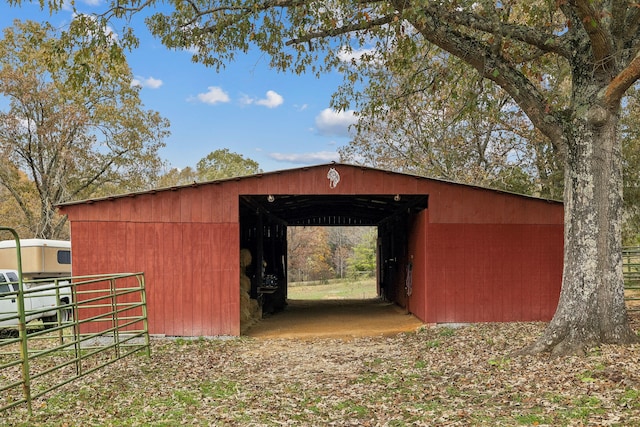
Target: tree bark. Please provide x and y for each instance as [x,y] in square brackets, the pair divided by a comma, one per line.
[591,309]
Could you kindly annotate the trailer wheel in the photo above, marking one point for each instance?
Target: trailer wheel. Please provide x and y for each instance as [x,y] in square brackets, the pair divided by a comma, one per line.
[67,315]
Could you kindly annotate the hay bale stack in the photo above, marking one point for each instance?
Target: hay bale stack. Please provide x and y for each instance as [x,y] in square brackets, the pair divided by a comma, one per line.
[250,310]
[245,259]
[245,284]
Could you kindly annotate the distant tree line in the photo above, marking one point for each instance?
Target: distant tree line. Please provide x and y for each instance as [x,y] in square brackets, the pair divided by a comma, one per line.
[322,253]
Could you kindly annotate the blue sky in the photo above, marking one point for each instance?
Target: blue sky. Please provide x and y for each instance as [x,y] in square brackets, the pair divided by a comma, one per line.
[280,120]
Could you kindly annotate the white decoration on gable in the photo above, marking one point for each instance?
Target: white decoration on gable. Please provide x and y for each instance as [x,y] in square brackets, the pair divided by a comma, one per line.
[334,178]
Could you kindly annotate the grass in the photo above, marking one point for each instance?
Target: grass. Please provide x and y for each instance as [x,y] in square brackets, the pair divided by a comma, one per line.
[333,289]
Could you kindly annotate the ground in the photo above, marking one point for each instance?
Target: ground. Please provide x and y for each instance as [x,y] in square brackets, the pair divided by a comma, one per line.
[338,318]
[330,373]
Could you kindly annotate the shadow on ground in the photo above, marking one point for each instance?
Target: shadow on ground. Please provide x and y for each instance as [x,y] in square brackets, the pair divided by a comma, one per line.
[307,319]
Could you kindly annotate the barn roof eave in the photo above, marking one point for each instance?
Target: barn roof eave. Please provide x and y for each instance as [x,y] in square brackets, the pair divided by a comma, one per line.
[277,172]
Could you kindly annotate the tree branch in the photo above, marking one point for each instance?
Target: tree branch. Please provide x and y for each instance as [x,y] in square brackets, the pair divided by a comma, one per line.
[241,9]
[591,21]
[545,41]
[623,81]
[359,26]
[631,24]
[119,11]
[494,67]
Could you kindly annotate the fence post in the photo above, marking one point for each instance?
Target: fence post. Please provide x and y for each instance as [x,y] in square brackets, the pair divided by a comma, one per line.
[145,321]
[22,324]
[114,315]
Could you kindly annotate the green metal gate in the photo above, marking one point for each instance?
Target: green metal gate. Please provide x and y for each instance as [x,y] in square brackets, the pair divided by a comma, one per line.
[39,357]
[631,272]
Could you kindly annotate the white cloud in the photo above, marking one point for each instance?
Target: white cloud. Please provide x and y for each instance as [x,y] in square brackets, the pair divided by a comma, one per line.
[149,82]
[215,95]
[349,55]
[336,123]
[272,100]
[306,158]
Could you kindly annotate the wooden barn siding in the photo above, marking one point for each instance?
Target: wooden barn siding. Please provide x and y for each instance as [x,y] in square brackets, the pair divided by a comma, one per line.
[191,266]
[313,181]
[485,256]
[418,257]
[492,273]
[192,287]
[490,256]
[459,205]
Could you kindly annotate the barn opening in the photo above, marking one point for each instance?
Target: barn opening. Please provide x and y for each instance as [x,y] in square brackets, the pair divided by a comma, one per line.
[328,262]
[264,223]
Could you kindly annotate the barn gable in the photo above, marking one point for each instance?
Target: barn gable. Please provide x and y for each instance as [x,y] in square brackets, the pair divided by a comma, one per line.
[447,252]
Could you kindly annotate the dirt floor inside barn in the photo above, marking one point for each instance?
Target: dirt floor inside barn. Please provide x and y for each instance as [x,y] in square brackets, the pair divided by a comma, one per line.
[309,319]
[348,318]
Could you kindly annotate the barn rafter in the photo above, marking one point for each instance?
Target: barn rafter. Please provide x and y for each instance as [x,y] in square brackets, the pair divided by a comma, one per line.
[335,210]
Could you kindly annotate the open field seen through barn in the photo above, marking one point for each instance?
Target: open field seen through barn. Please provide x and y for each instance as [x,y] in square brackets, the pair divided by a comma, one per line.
[333,289]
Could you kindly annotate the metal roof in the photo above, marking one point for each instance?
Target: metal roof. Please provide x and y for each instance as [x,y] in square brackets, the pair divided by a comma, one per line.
[264,174]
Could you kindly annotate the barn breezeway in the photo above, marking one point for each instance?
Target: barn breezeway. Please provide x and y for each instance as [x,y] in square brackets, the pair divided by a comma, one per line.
[263,227]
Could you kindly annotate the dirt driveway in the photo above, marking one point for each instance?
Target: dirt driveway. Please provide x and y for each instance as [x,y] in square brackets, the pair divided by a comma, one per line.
[306,319]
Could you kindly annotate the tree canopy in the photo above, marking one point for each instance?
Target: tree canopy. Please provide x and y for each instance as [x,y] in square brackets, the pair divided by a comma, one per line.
[223,163]
[459,129]
[62,142]
[309,254]
[218,164]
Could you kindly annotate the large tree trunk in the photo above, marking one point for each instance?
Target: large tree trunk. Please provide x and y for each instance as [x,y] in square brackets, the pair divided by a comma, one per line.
[591,309]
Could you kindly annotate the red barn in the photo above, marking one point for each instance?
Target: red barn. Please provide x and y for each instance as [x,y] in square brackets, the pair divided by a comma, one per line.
[446,252]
